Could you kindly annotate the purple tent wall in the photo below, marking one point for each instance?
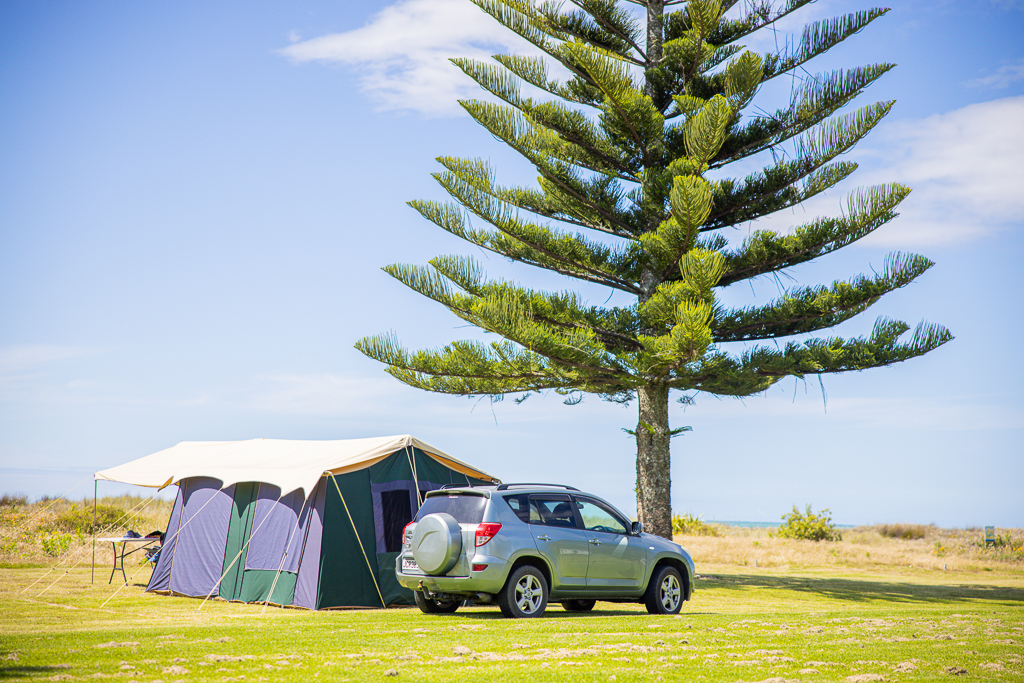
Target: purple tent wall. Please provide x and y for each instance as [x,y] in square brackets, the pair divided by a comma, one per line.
[198,558]
[279,526]
[162,571]
[308,580]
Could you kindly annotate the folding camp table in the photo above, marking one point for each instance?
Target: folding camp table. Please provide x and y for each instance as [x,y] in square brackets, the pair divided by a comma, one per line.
[119,556]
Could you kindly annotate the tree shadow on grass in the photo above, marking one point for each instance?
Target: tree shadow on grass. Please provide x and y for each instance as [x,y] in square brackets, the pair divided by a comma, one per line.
[854,590]
[18,671]
[552,613]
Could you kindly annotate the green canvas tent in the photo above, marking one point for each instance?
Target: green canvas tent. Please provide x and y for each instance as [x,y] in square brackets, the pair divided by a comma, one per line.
[313,524]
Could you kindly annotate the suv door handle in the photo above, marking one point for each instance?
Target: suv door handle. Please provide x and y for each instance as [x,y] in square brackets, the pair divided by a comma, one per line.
[594,541]
[543,537]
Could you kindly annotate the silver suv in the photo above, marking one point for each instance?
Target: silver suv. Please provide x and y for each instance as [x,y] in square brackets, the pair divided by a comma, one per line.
[519,545]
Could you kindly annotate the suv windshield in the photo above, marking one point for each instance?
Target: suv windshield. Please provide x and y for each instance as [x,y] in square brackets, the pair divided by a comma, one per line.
[465,509]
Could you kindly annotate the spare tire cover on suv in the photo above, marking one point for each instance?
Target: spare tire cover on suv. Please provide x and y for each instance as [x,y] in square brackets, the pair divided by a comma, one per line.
[437,543]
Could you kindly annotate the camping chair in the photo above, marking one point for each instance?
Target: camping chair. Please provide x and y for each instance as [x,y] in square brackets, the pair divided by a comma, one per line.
[153,552]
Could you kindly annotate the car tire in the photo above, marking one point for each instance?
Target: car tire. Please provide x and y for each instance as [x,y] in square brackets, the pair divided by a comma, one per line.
[525,594]
[578,605]
[432,606]
[665,591]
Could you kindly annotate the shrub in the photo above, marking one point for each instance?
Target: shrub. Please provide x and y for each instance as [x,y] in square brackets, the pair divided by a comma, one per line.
[907,532]
[56,544]
[693,526]
[809,526]
[13,500]
[79,520]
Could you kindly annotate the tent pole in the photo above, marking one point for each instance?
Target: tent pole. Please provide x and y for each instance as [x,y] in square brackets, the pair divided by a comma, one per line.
[416,480]
[95,485]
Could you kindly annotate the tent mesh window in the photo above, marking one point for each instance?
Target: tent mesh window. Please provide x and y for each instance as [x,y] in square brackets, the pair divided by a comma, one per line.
[397,510]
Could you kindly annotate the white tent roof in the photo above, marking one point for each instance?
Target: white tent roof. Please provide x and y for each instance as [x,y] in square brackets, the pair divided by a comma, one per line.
[287,464]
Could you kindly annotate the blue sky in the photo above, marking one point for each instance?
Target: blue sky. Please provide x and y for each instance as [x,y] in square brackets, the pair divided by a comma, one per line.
[196,199]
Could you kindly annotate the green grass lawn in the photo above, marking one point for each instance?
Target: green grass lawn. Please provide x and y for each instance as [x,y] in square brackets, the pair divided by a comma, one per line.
[744,624]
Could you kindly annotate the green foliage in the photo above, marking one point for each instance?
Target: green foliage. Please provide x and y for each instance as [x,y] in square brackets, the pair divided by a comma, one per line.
[79,520]
[808,526]
[634,152]
[57,544]
[9,500]
[907,532]
[628,157]
[689,525]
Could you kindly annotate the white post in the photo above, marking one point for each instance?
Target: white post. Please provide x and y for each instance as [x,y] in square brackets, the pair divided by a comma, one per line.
[95,484]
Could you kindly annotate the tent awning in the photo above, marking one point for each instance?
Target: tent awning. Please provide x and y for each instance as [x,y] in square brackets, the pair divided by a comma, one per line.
[287,464]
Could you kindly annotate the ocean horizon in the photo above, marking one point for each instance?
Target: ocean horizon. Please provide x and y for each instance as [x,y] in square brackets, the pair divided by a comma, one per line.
[765,525]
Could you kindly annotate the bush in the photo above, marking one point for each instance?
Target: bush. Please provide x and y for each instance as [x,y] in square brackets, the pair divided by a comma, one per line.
[78,520]
[693,526]
[907,532]
[56,545]
[808,526]
[13,500]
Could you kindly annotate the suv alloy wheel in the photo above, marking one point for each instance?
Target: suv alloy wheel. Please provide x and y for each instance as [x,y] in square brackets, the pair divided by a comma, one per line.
[665,591]
[525,593]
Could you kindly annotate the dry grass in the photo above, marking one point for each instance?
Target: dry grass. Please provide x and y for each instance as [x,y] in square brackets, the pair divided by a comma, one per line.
[861,547]
[905,531]
[57,531]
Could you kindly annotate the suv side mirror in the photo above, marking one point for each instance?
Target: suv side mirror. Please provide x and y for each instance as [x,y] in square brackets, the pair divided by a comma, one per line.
[637,528]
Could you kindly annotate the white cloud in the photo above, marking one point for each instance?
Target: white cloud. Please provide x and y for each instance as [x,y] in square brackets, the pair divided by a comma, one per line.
[1002,78]
[965,167]
[402,53]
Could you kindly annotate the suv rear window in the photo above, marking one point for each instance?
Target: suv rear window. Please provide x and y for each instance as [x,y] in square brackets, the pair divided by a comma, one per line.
[465,509]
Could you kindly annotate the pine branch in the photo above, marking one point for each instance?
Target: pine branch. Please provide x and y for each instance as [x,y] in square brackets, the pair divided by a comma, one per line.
[631,107]
[593,29]
[829,356]
[562,310]
[809,309]
[817,99]
[759,15]
[617,22]
[480,177]
[738,202]
[818,38]
[580,141]
[773,190]
[534,70]
[515,130]
[527,248]
[765,251]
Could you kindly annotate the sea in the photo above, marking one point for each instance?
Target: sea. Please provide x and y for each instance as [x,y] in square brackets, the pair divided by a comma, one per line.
[764,525]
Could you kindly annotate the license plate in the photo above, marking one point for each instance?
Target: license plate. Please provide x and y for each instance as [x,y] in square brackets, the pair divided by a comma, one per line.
[409,564]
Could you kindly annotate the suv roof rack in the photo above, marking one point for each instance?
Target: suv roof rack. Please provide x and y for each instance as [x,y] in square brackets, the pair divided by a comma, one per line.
[505,487]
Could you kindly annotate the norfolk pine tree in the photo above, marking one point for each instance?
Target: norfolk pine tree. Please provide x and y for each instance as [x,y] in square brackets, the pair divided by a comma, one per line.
[633,151]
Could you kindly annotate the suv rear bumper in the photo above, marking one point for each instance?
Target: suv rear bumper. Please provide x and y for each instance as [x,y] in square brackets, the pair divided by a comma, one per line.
[490,580]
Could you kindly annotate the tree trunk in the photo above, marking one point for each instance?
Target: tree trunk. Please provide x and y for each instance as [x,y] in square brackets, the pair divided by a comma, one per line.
[655,37]
[653,460]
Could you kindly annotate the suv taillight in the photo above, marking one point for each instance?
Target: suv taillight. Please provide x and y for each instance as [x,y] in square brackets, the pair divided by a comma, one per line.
[405,531]
[486,531]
